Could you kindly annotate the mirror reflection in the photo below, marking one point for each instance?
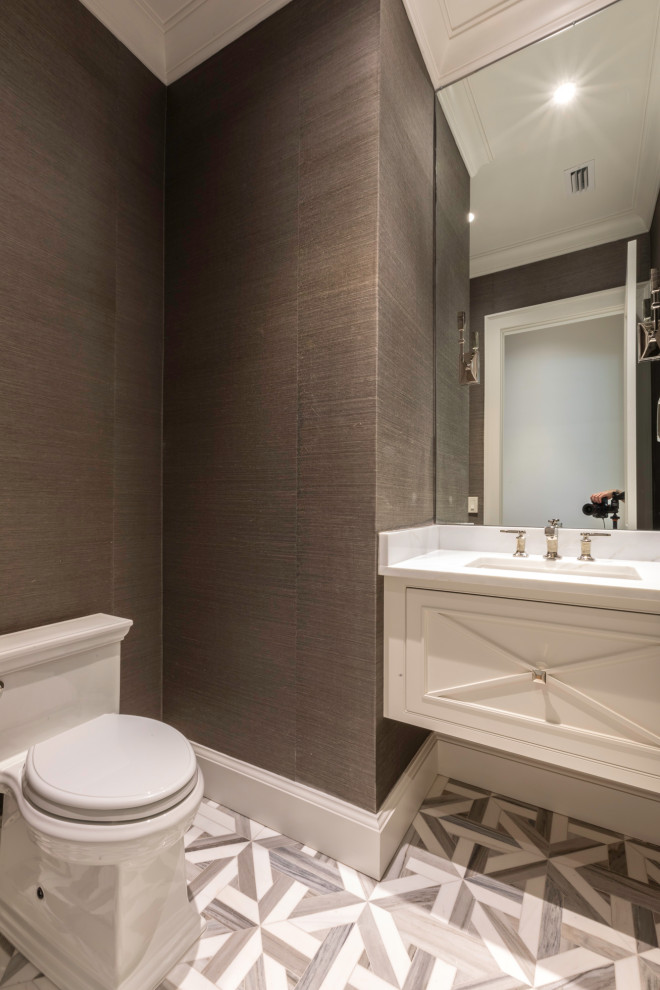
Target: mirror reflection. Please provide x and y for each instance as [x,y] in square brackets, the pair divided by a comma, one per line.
[554,153]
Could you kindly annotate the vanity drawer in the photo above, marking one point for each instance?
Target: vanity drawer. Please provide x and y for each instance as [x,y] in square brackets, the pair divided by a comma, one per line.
[569,685]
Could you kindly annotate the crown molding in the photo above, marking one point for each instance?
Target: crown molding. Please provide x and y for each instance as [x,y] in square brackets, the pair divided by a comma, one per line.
[462,114]
[455,44]
[462,15]
[614,228]
[184,10]
[646,183]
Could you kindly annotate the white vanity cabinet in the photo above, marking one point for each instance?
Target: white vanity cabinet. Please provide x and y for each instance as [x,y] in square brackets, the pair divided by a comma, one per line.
[572,686]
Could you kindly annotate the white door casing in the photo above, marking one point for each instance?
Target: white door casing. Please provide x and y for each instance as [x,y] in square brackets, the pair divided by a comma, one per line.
[497,326]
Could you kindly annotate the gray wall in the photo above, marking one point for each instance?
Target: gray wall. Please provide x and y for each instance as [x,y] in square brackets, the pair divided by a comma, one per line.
[286,429]
[405,452]
[452,267]
[299,291]
[655,375]
[81,184]
[405,388]
[655,236]
[591,270]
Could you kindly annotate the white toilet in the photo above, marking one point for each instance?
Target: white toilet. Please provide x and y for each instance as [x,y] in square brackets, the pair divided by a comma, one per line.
[92,871]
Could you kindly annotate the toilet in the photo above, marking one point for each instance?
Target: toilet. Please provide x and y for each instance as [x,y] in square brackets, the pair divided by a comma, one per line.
[92,871]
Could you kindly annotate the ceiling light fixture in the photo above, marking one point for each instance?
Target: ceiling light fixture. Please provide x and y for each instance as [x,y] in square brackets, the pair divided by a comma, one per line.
[470,217]
[565,93]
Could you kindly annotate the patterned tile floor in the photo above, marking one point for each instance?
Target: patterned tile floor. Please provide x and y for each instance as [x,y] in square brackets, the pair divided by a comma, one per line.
[485,893]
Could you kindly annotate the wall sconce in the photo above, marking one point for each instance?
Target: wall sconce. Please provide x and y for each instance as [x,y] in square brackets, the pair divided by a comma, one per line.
[648,331]
[468,368]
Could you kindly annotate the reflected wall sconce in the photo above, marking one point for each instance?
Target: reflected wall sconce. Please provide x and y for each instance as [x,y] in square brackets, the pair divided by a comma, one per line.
[468,367]
[648,331]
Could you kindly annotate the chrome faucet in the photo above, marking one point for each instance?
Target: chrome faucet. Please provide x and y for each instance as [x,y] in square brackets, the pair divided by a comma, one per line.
[552,540]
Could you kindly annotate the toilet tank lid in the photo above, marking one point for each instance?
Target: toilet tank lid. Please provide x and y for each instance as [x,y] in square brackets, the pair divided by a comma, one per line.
[111,762]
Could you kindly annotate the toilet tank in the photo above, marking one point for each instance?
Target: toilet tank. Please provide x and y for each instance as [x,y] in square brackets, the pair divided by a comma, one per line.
[57,676]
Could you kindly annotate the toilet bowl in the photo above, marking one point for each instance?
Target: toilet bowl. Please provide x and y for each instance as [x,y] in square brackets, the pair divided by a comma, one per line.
[92,870]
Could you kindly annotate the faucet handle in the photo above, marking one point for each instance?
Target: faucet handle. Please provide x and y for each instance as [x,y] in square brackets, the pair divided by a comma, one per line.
[585,544]
[520,541]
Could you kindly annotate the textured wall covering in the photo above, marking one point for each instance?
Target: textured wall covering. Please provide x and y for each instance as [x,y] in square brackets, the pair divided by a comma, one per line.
[273,467]
[591,270]
[655,374]
[231,400]
[655,236]
[405,286]
[337,374]
[405,388]
[452,296]
[80,324]
[137,537]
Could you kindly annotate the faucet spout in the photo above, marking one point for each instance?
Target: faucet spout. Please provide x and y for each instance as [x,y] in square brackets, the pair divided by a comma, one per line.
[552,540]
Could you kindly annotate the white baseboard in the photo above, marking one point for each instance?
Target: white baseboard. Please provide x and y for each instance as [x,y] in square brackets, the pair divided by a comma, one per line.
[600,802]
[367,841]
[364,840]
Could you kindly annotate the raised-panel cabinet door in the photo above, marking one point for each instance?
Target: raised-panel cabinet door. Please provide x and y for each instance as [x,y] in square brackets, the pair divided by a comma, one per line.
[581,679]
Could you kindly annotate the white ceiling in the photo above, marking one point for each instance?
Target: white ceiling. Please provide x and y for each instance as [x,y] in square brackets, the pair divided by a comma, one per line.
[517,143]
[455,36]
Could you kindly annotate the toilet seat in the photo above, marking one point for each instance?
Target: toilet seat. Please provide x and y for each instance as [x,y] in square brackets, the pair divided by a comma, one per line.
[114,768]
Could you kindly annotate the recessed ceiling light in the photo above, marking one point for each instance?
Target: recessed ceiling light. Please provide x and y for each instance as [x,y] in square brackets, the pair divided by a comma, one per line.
[565,93]
[470,217]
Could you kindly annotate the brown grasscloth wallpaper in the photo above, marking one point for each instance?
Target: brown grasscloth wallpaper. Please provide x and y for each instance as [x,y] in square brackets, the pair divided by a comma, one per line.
[452,295]
[81,242]
[298,379]
[405,391]
[299,295]
[655,375]
[590,270]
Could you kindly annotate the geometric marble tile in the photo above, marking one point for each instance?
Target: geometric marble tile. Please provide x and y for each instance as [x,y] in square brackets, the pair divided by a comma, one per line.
[485,893]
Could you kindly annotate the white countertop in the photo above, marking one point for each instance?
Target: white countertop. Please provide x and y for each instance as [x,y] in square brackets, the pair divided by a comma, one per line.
[532,577]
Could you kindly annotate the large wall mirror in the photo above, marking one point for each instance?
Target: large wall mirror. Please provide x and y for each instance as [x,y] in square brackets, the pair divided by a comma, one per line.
[554,152]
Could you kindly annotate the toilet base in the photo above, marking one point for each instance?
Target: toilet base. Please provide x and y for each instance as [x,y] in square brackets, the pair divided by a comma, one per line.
[47,956]
[105,926]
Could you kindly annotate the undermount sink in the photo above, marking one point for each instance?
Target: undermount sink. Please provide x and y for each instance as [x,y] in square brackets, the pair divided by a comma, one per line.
[578,568]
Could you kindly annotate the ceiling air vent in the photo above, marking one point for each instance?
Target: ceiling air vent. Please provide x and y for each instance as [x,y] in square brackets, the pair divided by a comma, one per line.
[580,178]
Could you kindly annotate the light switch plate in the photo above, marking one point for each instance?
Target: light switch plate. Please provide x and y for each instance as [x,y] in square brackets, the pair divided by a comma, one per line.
[473,505]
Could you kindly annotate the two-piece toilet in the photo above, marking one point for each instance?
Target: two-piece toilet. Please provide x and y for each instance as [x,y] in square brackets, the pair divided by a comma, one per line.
[92,871]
